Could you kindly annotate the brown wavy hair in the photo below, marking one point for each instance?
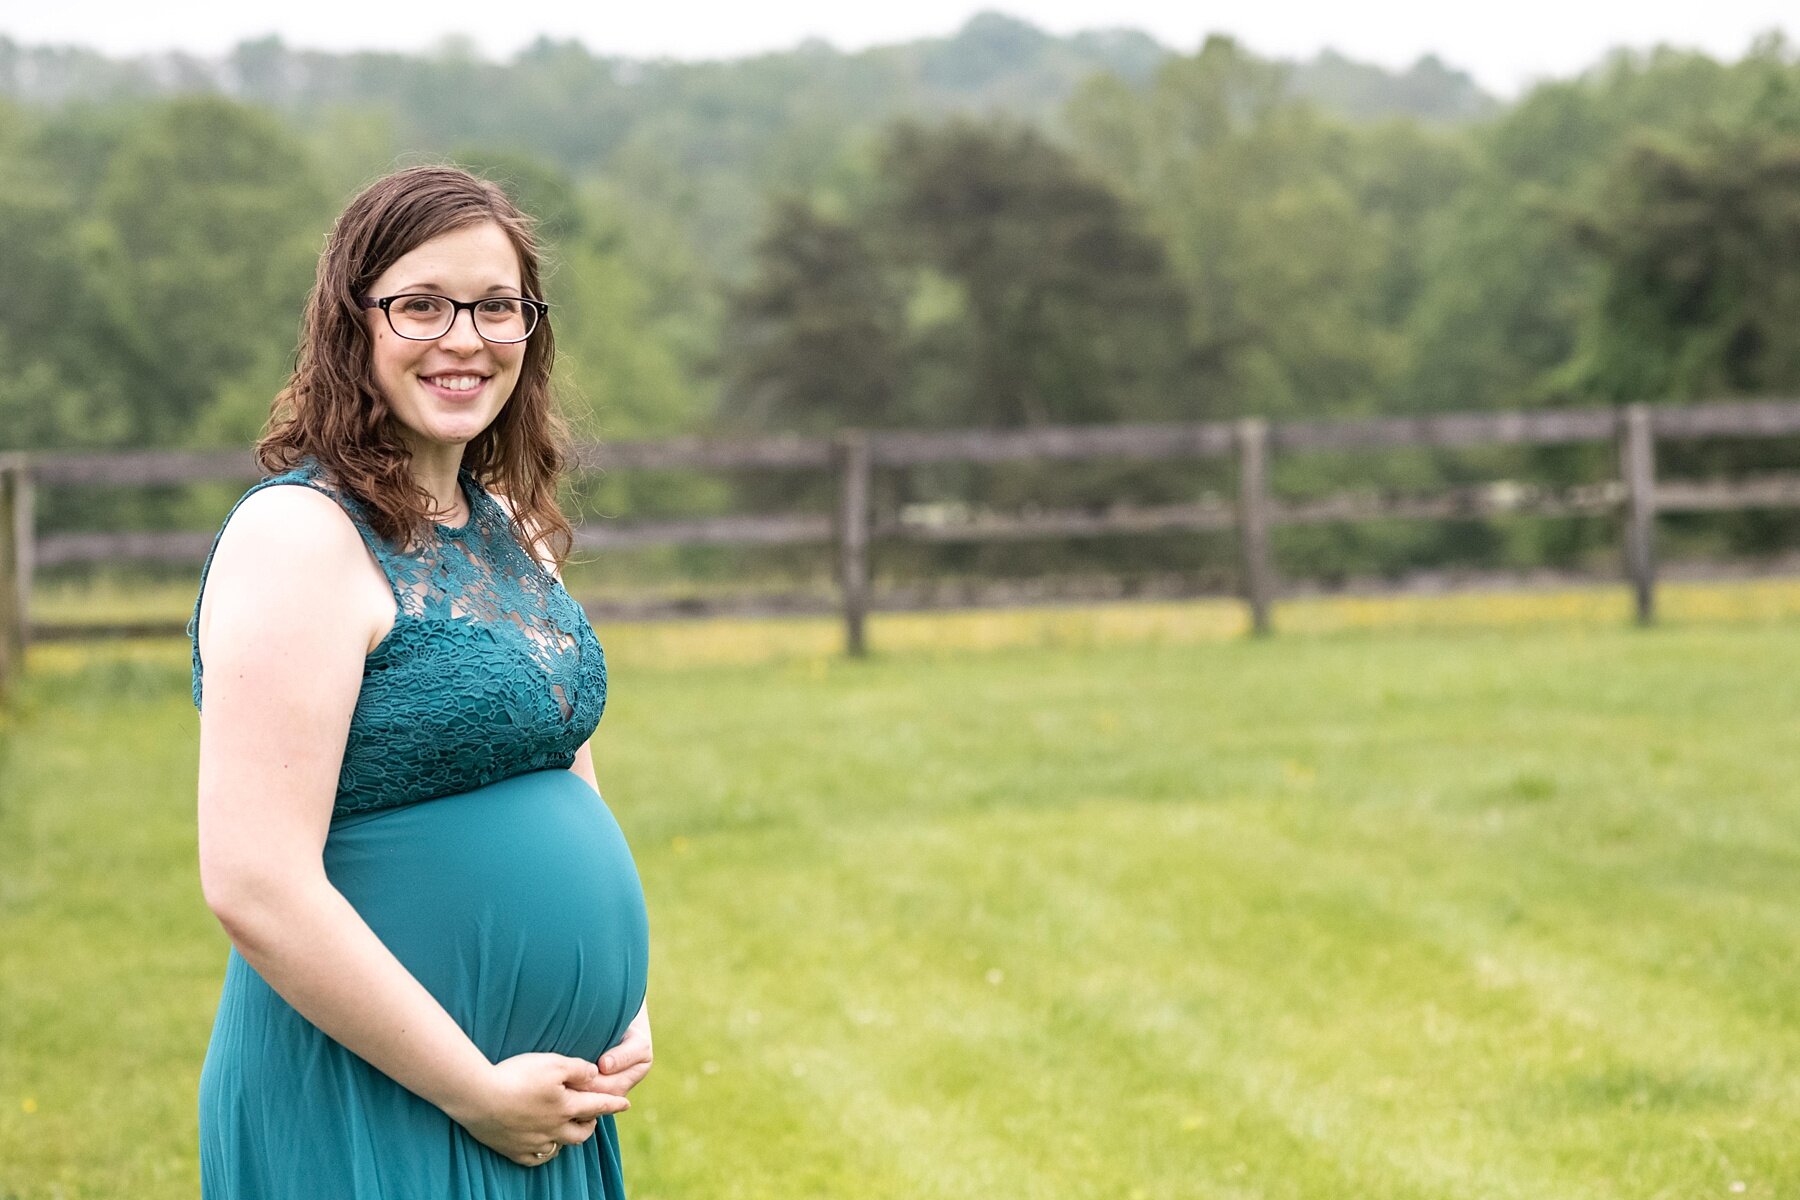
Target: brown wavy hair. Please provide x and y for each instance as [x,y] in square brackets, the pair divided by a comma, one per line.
[332,409]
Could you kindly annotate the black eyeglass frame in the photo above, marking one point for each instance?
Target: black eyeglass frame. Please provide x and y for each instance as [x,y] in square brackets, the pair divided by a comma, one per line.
[384,303]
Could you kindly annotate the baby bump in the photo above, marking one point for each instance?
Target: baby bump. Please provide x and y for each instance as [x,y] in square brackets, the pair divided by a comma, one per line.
[517,905]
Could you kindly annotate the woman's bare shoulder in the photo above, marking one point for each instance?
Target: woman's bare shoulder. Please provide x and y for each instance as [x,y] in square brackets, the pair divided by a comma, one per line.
[289,522]
[289,549]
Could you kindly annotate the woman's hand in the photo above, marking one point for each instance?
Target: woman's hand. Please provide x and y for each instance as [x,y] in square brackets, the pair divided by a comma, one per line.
[532,1105]
[625,1065]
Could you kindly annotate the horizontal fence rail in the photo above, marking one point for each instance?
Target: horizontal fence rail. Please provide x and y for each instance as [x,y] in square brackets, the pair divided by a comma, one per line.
[1636,497]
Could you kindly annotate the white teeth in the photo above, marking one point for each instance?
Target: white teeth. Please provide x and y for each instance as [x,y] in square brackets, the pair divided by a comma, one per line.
[457,383]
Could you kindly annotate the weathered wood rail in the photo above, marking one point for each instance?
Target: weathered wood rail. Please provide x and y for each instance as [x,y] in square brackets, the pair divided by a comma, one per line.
[1636,497]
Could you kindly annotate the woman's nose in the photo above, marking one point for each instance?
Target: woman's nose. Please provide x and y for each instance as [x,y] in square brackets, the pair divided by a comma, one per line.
[462,334]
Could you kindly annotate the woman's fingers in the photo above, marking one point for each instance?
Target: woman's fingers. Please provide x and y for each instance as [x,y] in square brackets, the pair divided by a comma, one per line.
[577,1072]
[633,1048]
[582,1079]
[542,1103]
[622,1081]
[572,1133]
[592,1105]
[577,1132]
[625,1065]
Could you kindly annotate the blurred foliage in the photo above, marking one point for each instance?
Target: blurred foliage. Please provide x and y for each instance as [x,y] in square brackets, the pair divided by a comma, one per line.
[1000,228]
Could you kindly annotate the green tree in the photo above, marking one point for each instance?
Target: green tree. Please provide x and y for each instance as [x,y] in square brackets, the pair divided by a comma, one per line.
[1698,292]
[814,339]
[1065,309]
[65,377]
[212,223]
[1284,244]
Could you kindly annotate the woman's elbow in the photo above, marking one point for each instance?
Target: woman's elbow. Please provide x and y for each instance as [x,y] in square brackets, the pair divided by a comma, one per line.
[233,894]
[248,893]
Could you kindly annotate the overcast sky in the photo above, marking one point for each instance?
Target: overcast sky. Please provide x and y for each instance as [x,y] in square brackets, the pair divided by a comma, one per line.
[1505,44]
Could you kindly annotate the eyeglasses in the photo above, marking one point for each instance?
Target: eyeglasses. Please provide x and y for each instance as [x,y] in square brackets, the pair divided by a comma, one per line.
[422,317]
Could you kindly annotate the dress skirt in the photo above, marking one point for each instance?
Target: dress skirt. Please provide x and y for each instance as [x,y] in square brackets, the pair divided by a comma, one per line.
[518,906]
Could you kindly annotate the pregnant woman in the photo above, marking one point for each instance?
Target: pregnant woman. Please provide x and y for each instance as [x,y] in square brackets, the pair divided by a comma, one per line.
[439,944]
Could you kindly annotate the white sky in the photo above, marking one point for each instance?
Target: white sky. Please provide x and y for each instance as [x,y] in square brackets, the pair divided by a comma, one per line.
[1505,44]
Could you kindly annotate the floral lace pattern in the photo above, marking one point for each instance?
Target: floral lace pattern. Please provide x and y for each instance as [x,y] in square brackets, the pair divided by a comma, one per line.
[491,668]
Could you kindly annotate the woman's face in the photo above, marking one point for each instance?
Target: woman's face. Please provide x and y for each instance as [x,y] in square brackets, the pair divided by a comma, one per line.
[444,392]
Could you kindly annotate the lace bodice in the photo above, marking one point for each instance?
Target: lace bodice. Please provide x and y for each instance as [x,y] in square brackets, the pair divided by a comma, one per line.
[491,668]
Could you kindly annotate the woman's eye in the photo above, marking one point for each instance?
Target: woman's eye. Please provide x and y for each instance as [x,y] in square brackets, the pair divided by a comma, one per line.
[499,308]
[421,306]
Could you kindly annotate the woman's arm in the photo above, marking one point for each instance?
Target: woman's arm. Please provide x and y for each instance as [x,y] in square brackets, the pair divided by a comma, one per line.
[283,634]
[584,764]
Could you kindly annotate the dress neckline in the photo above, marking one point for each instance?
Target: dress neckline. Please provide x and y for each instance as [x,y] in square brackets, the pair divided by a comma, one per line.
[465,479]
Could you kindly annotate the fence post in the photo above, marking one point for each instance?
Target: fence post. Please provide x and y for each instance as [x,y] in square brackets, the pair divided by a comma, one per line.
[12,631]
[1637,466]
[25,540]
[854,464]
[1253,520]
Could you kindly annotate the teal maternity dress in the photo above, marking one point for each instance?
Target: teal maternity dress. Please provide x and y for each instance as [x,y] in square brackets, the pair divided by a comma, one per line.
[493,872]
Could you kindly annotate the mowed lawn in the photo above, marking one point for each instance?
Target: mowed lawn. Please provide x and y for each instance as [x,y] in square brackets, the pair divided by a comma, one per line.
[1105,906]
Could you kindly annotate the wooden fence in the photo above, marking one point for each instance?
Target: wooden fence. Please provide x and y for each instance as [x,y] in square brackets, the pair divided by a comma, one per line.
[1635,497]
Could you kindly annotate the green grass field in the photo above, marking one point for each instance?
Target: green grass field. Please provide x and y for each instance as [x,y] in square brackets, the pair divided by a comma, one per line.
[1479,898]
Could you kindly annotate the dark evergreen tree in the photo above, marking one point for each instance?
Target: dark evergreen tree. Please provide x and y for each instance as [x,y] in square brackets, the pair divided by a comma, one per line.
[813,340]
[1064,310]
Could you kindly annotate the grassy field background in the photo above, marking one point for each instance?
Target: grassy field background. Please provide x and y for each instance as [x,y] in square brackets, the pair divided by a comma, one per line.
[1476,897]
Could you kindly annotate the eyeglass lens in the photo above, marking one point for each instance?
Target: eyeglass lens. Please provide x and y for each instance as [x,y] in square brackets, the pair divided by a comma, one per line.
[498,319]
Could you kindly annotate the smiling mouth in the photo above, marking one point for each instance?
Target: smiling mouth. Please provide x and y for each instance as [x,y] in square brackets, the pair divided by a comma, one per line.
[455,383]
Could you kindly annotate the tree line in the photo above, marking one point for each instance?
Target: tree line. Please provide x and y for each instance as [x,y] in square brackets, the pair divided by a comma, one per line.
[1170,237]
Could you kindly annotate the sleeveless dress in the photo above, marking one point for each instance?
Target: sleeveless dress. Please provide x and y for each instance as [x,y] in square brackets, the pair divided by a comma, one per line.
[495,874]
